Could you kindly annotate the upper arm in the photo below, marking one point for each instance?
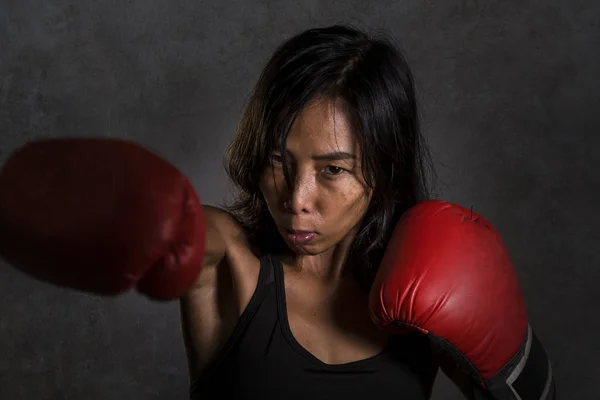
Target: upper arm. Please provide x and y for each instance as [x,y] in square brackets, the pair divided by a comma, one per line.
[221,229]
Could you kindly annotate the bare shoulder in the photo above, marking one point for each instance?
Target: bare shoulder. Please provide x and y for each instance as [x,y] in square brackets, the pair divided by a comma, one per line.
[223,234]
[210,310]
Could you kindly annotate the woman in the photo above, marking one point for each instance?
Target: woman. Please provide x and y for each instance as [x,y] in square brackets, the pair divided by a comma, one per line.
[327,157]
[331,238]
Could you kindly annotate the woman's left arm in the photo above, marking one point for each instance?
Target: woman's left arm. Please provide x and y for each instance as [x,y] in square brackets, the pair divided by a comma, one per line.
[447,274]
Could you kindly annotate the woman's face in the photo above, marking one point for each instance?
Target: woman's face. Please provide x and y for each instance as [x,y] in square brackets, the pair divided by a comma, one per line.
[329,196]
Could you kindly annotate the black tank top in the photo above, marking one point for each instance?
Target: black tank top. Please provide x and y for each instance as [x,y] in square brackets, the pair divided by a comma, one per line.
[262,360]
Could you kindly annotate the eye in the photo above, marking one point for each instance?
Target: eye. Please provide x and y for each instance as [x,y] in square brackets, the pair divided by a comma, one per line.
[276,159]
[333,170]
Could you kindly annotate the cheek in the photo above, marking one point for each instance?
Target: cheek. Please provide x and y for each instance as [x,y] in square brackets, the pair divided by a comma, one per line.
[349,204]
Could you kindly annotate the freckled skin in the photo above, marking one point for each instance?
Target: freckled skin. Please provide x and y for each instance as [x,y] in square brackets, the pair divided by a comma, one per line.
[328,196]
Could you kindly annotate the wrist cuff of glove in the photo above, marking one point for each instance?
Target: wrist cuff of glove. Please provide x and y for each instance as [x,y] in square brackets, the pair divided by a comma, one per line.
[527,376]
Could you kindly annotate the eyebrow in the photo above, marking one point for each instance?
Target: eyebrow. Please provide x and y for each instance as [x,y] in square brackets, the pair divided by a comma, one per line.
[335,156]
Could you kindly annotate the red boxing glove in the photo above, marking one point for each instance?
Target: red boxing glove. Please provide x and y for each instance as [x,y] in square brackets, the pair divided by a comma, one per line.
[446,273]
[100,215]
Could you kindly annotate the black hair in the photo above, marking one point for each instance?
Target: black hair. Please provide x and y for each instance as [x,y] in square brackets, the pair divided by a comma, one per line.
[375,85]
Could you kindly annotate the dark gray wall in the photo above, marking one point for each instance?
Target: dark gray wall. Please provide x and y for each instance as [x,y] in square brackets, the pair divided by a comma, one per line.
[510,93]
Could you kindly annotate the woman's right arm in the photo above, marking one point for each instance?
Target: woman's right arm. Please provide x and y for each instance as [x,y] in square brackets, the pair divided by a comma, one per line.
[107,215]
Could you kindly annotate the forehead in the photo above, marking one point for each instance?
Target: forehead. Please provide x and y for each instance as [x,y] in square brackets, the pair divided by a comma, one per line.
[321,127]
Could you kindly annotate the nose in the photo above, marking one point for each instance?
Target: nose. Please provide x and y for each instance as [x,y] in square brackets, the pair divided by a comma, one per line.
[301,196]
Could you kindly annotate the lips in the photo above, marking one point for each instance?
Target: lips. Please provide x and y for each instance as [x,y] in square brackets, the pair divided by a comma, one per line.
[300,237]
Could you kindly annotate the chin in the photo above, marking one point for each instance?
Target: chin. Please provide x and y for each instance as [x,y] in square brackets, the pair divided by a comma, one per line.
[304,250]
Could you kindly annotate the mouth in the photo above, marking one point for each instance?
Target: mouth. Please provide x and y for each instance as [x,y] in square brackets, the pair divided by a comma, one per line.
[300,237]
